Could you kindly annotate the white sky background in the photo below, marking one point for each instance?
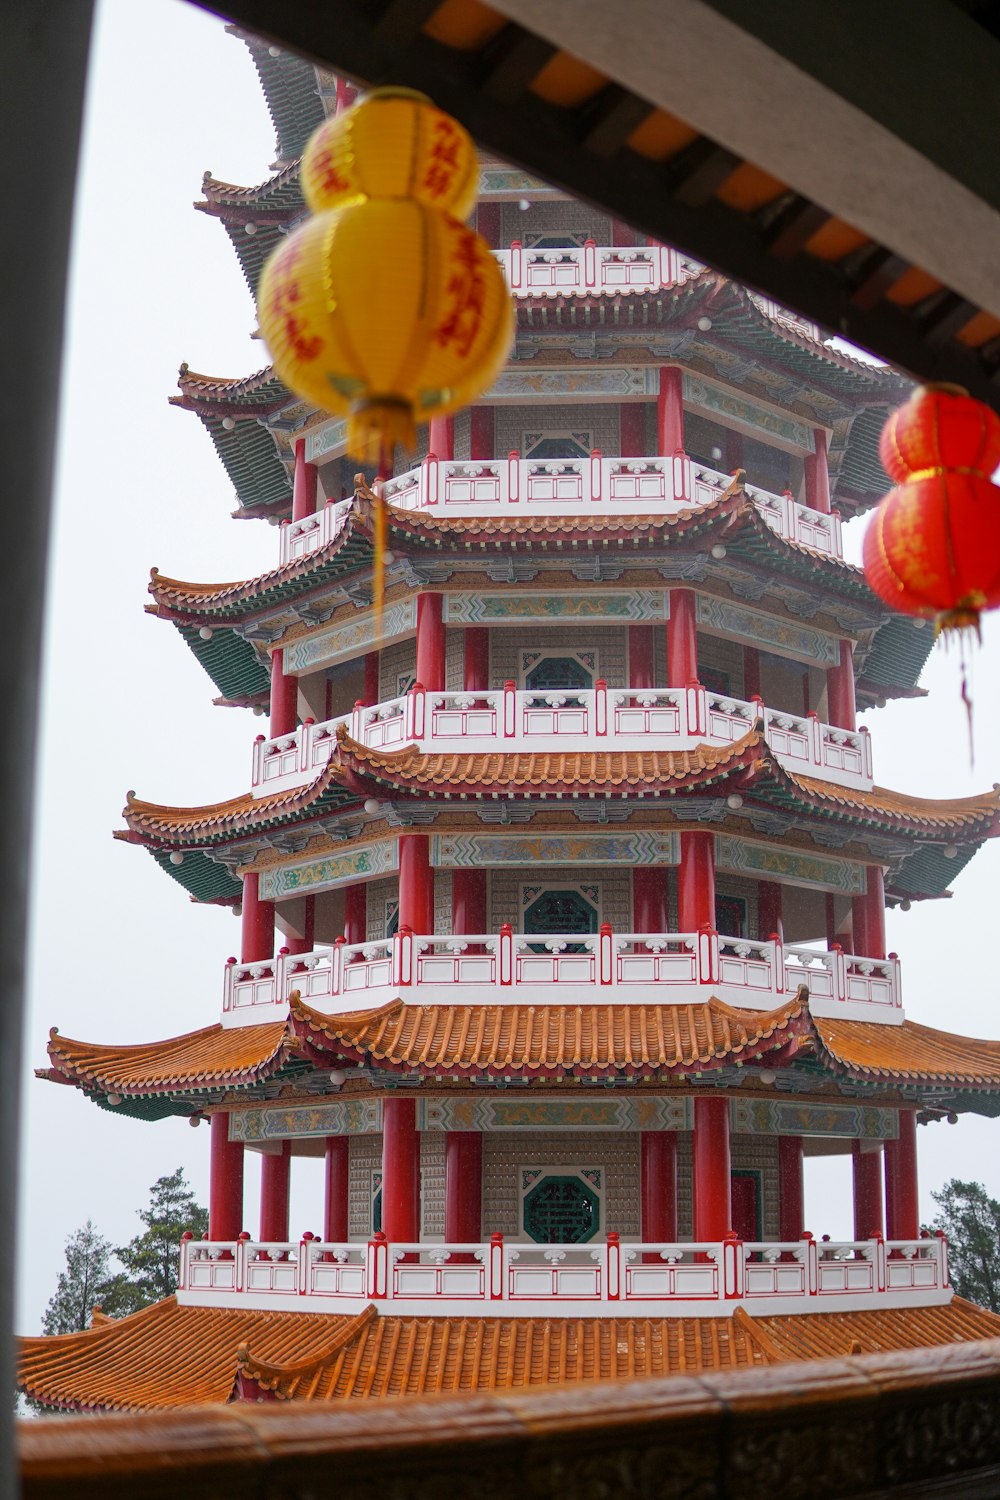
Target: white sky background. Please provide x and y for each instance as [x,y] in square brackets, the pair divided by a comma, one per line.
[117,952]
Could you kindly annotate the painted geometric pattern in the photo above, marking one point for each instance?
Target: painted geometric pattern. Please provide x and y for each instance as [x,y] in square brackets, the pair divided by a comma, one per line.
[484,851]
[334,870]
[791,1117]
[766,630]
[331,1117]
[486,1115]
[634,606]
[592,380]
[725,403]
[351,638]
[771,862]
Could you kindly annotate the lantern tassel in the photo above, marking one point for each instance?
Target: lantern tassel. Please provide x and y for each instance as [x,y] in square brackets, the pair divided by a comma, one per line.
[379,424]
[967,700]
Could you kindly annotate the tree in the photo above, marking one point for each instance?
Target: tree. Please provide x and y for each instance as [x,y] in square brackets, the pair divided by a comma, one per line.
[81,1286]
[971,1220]
[150,1260]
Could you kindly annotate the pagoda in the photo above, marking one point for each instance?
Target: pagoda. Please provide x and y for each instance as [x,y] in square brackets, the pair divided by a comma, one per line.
[562,883]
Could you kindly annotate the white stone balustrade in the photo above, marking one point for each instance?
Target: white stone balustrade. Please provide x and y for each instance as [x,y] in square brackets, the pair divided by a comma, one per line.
[599,718]
[313,532]
[597,485]
[501,1279]
[605,967]
[590,269]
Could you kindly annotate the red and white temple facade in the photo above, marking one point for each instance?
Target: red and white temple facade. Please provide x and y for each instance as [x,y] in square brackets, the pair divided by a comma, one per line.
[563,884]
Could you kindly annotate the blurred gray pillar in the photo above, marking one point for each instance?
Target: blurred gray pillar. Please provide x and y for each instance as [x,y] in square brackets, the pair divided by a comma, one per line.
[43,65]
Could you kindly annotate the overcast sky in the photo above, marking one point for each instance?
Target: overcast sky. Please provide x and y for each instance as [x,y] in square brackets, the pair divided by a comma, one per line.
[117,951]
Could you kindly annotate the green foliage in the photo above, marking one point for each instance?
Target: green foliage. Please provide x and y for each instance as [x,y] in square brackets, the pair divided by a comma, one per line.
[971,1220]
[150,1260]
[81,1285]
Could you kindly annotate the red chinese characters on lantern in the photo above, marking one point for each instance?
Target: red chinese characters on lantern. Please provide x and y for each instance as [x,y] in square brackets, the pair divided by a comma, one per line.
[443,162]
[328,179]
[466,290]
[285,294]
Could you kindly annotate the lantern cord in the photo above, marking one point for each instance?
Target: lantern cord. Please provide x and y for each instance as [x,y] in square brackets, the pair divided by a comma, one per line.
[967,700]
[380,529]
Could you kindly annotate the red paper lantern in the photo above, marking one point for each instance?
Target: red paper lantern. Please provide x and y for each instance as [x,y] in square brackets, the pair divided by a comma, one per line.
[933,546]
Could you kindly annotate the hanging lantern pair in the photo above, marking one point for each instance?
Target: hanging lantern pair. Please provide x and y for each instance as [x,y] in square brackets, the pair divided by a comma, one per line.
[933,547]
[385,307]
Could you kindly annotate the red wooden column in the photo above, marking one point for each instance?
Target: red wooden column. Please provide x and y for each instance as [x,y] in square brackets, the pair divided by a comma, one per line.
[482,432]
[902,1209]
[225,1183]
[441,438]
[476,677]
[256,923]
[371,679]
[869,1219]
[336,1179]
[670,412]
[489,223]
[769,918]
[468,901]
[868,916]
[658,1186]
[463,1187]
[711,1167]
[632,429]
[430,642]
[649,899]
[307,942]
[305,483]
[400,1171]
[416,883]
[641,657]
[817,475]
[346,95]
[696,882]
[791,1209]
[284,698]
[356,913]
[841,706]
[275,1181]
[682,639]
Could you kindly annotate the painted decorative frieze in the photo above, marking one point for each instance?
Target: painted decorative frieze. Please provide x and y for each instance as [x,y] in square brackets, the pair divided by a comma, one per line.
[513,1113]
[741,856]
[332,870]
[795,1117]
[573,383]
[352,638]
[631,606]
[717,401]
[275,1122]
[754,628]
[330,438]
[622,848]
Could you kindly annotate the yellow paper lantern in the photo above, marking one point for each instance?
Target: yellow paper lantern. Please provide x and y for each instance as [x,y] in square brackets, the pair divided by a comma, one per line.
[394,143]
[387,311]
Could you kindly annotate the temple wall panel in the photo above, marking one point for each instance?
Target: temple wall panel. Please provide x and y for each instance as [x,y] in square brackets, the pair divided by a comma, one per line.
[396,669]
[432,1149]
[554,218]
[506,1153]
[720,664]
[382,900]
[454,660]
[507,649]
[760,1154]
[365,1159]
[612,890]
[601,422]
[443,910]
[463,434]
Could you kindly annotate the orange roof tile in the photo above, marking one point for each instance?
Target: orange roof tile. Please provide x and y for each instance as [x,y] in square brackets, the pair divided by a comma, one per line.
[164,1355]
[909,1051]
[829,1335]
[544,772]
[925,812]
[168,1356]
[213,1055]
[173,825]
[533,1038]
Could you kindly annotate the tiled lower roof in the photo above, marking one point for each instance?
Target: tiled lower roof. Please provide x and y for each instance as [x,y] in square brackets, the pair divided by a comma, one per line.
[217,1055]
[169,1356]
[910,1052]
[545,1038]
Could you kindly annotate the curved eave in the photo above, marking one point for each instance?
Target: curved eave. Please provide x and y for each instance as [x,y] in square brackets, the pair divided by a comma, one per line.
[895,659]
[230,661]
[163,829]
[178,1075]
[412,533]
[291,91]
[909,1054]
[546,1041]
